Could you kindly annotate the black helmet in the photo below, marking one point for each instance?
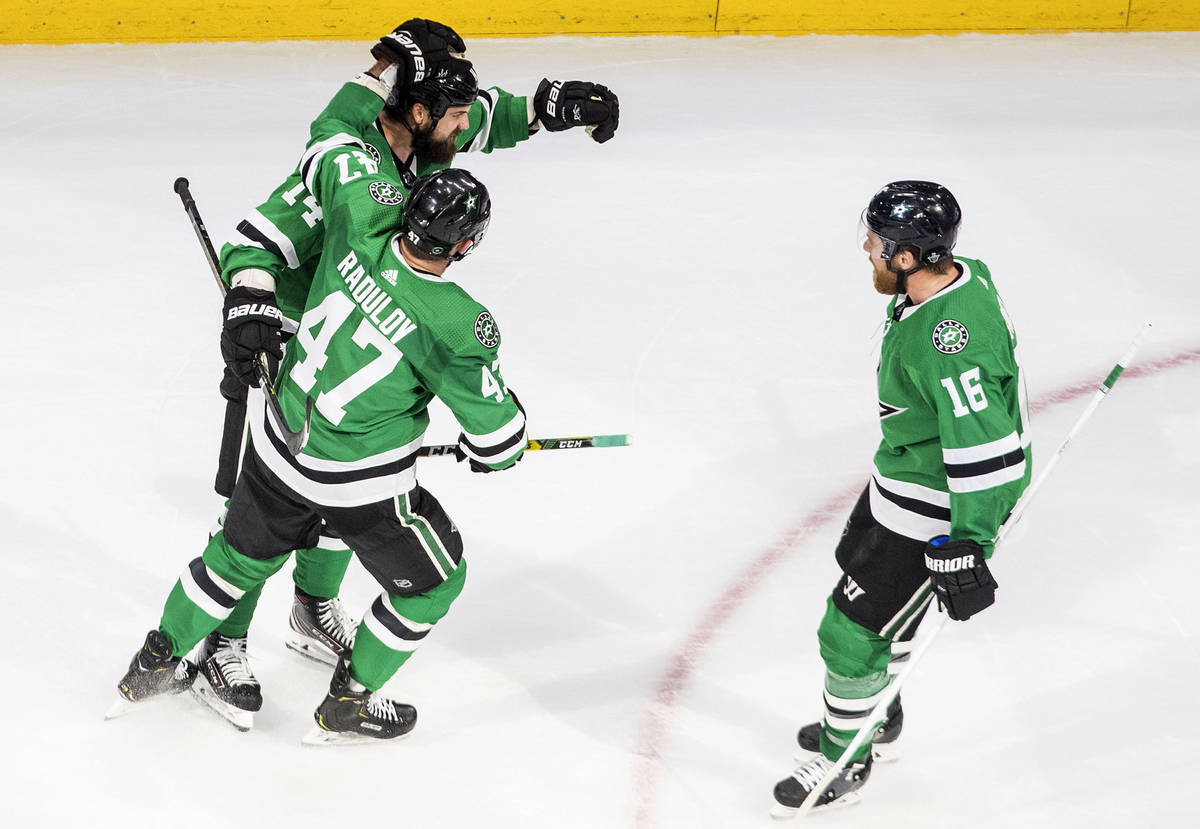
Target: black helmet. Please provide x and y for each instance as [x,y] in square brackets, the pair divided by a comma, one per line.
[453,86]
[445,208]
[917,214]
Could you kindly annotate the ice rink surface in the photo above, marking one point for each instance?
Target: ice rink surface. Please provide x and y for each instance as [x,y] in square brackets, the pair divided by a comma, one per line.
[636,645]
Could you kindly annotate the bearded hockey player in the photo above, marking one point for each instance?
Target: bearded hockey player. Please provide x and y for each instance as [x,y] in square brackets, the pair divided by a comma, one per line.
[418,123]
[383,332]
[954,459]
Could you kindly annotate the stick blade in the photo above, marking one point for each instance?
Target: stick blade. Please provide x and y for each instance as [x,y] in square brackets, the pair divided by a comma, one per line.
[612,440]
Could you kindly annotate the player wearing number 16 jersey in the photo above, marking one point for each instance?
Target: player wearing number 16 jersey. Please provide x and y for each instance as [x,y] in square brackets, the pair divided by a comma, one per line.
[954,458]
[383,332]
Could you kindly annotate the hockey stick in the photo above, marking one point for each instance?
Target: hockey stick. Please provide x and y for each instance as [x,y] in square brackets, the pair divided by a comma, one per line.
[295,440]
[540,444]
[879,712]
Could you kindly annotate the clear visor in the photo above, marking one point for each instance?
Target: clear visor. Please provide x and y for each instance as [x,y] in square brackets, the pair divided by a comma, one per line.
[869,240]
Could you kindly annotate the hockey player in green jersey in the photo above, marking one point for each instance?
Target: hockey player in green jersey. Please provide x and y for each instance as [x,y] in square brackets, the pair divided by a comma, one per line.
[411,128]
[954,459]
[383,332]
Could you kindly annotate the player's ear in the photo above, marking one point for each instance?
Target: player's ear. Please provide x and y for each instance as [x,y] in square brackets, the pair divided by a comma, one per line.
[904,260]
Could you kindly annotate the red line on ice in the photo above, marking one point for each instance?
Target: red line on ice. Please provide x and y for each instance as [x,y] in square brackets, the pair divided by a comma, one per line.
[682,666]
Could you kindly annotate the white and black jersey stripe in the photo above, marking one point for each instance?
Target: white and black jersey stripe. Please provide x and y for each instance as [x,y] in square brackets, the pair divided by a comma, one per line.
[499,445]
[311,161]
[911,510]
[985,465]
[487,99]
[258,231]
[332,483]
[208,591]
[392,629]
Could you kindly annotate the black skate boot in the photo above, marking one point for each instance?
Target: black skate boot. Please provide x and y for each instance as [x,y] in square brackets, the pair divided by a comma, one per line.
[883,746]
[226,684]
[791,792]
[321,630]
[152,672]
[351,713]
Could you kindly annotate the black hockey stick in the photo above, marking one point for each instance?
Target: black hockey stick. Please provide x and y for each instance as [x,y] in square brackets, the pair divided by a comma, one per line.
[540,444]
[295,440]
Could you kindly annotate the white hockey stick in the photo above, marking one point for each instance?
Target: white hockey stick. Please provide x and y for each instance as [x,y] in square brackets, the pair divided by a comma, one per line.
[934,626]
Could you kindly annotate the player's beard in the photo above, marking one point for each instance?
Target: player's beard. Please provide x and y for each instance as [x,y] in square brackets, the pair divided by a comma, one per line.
[885,280]
[434,151]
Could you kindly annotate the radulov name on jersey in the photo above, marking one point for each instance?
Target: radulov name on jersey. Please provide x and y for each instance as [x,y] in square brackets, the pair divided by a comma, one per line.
[374,301]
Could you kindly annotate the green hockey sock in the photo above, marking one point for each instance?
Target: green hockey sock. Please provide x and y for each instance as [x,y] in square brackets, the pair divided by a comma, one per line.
[319,571]
[852,698]
[238,622]
[395,626]
[208,590]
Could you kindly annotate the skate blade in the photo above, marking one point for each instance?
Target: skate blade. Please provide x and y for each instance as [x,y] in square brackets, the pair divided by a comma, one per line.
[882,752]
[781,812]
[310,649]
[318,736]
[119,708]
[238,718]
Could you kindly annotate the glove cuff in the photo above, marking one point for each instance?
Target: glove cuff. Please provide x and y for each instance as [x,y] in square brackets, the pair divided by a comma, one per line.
[253,278]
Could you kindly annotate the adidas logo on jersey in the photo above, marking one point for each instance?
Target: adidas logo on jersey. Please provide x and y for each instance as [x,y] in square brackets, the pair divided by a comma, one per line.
[389,276]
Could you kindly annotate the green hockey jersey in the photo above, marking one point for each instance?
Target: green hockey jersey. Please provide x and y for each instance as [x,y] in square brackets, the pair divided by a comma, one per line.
[376,342]
[955,454]
[283,236]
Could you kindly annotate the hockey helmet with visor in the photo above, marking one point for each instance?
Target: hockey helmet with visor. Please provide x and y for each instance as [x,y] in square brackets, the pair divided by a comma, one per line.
[918,215]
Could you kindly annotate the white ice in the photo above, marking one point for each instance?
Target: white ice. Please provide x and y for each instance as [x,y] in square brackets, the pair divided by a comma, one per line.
[636,644]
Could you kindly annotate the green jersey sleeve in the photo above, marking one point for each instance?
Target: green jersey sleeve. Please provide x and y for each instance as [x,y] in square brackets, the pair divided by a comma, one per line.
[973,382]
[283,236]
[499,120]
[465,375]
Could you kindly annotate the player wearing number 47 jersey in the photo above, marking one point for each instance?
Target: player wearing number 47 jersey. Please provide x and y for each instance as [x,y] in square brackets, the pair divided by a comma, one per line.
[409,126]
[383,332]
[954,459]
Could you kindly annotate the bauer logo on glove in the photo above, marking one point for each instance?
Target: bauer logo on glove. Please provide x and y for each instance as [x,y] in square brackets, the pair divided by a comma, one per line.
[560,105]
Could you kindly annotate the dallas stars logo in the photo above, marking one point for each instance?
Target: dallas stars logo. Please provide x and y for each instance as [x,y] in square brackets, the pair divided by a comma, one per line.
[486,330]
[385,193]
[901,210]
[471,202]
[950,336]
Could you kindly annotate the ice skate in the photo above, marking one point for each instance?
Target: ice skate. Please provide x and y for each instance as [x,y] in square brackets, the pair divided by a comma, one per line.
[152,672]
[791,792]
[352,714]
[225,683]
[321,630]
[883,744]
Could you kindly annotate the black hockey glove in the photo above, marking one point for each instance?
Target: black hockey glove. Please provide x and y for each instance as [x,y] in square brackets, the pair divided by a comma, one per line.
[960,576]
[560,105]
[476,466]
[252,325]
[420,49]
[460,454]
